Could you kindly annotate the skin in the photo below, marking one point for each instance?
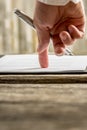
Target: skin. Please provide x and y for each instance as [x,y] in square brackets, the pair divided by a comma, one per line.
[62,24]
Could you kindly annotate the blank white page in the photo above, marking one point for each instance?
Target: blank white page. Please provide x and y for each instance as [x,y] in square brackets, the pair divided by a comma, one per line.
[30,64]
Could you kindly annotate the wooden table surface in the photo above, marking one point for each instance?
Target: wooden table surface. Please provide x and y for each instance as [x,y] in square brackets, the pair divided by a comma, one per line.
[43,79]
[43,102]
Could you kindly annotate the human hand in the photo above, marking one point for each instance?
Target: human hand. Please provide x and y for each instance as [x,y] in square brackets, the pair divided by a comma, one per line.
[63,24]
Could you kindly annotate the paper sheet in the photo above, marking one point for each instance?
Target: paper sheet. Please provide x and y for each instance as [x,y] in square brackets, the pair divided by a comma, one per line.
[30,64]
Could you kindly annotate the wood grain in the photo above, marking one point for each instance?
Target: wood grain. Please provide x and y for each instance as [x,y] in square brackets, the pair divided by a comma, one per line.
[43,106]
[43,79]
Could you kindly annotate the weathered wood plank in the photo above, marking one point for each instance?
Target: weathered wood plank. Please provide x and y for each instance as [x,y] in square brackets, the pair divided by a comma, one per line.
[21,79]
[43,107]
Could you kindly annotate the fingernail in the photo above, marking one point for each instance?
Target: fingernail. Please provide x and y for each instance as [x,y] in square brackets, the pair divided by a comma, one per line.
[63,37]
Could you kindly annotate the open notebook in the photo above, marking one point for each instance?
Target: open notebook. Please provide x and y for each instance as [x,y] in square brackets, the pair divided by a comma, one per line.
[29,64]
